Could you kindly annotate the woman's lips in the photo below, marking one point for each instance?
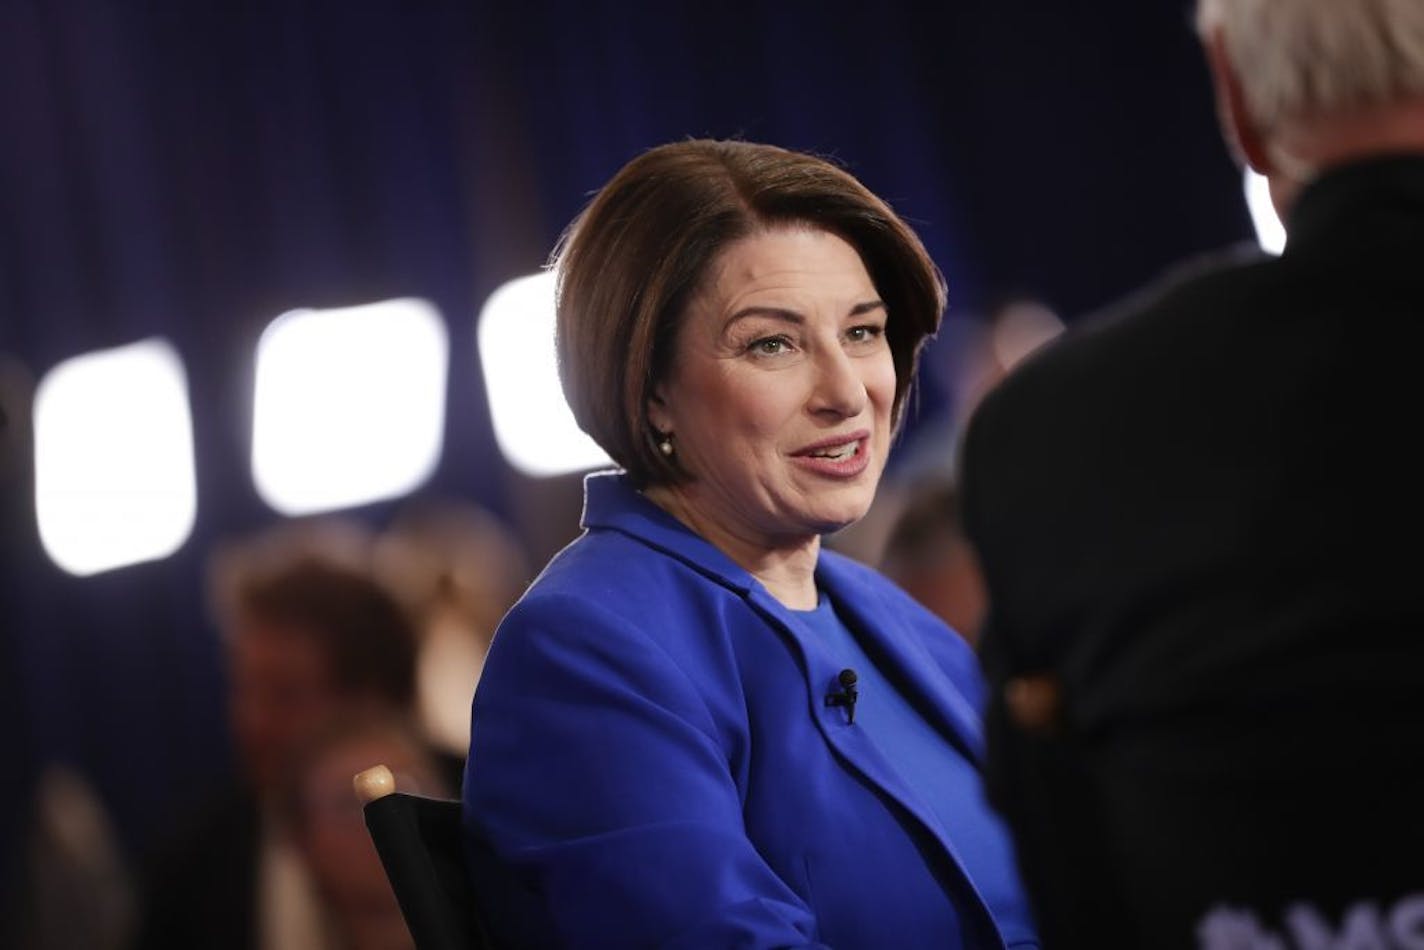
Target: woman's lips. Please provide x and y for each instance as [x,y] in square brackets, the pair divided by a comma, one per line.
[840,456]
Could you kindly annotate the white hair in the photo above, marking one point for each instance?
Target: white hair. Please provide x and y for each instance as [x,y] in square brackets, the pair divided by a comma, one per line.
[1299,58]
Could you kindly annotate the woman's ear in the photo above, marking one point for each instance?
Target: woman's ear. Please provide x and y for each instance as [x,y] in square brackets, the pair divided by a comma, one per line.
[658,415]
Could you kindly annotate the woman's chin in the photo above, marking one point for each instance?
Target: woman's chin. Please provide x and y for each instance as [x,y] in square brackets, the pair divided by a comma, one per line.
[829,522]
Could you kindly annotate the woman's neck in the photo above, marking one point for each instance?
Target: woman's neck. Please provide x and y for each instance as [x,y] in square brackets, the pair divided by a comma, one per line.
[786,567]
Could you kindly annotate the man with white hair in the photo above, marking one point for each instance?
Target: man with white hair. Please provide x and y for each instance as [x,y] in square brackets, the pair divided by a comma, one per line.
[1199,520]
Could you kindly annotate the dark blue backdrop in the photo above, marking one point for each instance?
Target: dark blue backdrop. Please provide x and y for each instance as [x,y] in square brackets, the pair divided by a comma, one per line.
[193,170]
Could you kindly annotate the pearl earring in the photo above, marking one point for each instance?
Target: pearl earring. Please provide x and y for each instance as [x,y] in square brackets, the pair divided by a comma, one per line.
[665,445]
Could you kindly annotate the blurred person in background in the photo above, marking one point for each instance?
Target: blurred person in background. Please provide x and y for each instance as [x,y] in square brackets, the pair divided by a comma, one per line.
[1198,519]
[458,568]
[312,639]
[75,888]
[972,355]
[979,353]
[929,556]
[697,728]
[329,830]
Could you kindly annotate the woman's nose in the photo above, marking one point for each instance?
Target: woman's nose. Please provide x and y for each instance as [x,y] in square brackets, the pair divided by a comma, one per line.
[839,389]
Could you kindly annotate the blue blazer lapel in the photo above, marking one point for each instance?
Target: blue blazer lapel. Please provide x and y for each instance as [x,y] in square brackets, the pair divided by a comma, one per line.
[889,635]
[851,742]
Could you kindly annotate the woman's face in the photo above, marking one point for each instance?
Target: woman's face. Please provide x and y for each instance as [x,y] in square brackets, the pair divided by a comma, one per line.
[780,392]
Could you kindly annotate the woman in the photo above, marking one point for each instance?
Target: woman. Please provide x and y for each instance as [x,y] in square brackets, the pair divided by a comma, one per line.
[698,729]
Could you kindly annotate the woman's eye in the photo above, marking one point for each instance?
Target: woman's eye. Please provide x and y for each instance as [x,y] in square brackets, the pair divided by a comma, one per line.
[769,346]
[863,333]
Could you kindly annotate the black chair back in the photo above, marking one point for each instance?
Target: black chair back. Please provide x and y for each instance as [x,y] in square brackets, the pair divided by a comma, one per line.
[419,842]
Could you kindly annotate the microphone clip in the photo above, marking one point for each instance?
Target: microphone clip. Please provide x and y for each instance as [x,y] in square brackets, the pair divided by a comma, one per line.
[846,695]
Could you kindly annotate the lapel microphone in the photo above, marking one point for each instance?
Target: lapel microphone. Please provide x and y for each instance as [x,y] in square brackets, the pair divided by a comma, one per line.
[846,695]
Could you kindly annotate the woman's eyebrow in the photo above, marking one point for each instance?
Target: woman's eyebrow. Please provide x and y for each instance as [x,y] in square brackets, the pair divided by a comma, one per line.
[776,313]
[791,316]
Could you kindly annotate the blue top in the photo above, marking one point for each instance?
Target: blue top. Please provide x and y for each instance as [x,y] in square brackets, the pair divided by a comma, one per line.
[938,772]
[653,763]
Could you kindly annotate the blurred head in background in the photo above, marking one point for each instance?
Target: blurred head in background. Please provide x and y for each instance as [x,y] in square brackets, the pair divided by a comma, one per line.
[1303,85]
[458,568]
[312,638]
[928,555]
[327,825]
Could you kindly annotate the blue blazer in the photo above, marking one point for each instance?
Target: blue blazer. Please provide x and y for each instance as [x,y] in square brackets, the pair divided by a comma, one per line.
[653,762]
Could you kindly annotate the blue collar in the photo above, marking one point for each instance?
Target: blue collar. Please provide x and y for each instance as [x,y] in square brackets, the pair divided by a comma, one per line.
[610,501]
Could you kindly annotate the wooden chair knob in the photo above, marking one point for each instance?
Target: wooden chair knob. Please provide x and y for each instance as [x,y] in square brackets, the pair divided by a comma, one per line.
[375,782]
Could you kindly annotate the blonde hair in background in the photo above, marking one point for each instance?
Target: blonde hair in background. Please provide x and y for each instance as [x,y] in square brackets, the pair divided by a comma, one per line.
[1299,58]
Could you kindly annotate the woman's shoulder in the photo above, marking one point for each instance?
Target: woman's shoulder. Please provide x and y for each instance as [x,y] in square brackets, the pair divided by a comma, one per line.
[609,585]
[611,614]
[608,566]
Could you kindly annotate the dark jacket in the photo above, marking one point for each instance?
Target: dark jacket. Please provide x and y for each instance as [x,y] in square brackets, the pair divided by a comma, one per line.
[1201,517]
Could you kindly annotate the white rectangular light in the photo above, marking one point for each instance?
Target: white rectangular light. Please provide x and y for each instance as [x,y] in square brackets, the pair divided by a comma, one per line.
[114,480]
[533,426]
[349,404]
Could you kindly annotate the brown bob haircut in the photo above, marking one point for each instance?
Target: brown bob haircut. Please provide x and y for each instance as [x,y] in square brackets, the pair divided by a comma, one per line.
[630,263]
